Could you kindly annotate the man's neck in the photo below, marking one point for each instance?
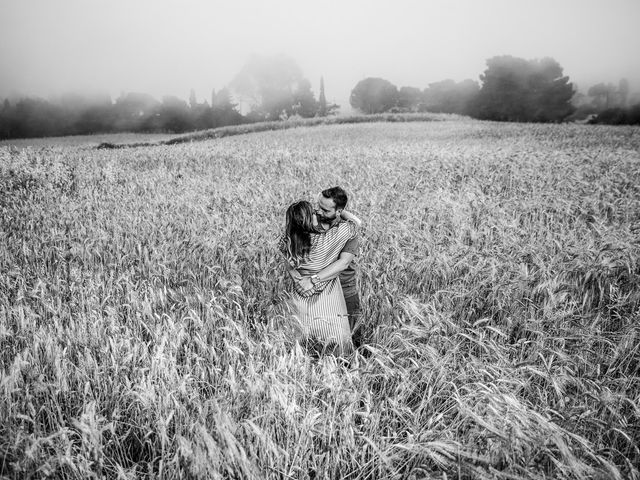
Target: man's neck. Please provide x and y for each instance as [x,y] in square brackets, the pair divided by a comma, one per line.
[327,226]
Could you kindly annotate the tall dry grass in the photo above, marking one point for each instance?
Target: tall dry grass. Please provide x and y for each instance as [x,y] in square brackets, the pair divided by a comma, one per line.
[142,333]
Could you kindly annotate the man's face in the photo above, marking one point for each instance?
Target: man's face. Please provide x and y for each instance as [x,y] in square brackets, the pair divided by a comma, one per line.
[326,209]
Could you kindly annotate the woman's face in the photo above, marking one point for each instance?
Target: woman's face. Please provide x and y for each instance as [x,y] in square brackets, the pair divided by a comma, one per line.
[310,221]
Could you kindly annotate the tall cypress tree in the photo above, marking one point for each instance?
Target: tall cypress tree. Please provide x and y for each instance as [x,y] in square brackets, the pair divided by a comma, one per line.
[322,101]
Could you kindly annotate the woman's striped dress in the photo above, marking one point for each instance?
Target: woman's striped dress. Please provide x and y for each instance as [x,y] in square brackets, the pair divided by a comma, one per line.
[323,315]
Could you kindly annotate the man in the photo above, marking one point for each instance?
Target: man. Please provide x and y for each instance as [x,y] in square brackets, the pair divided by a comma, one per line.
[330,204]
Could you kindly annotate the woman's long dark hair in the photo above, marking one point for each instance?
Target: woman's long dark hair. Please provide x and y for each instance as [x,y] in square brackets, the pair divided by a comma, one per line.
[298,231]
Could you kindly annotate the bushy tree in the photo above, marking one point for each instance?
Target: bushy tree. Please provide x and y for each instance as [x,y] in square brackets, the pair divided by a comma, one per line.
[200,114]
[174,115]
[35,117]
[133,111]
[601,94]
[409,99]
[86,114]
[97,118]
[374,95]
[515,89]
[606,96]
[304,103]
[271,86]
[225,110]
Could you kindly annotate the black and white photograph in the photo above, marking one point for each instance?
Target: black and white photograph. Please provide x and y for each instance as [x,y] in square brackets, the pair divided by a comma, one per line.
[285,239]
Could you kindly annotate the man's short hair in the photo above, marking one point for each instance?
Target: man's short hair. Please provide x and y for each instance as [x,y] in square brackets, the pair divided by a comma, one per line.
[338,195]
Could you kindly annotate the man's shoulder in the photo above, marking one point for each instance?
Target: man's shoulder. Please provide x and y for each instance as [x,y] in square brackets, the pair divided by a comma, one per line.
[336,224]
[342,220]
[352,246]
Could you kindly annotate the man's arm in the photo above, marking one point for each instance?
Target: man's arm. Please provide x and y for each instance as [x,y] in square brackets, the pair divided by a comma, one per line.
[333,270]
[348,253]
[345,215]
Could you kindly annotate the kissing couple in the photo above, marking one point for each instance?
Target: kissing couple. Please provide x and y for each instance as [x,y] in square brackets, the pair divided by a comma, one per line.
[319,245]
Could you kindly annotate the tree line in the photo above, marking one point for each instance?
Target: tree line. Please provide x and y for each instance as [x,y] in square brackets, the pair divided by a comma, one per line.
[267,88]
[274,88]
[513,89]
[74,114]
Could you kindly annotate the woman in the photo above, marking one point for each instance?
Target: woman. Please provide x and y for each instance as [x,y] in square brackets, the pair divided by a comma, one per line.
[307,248]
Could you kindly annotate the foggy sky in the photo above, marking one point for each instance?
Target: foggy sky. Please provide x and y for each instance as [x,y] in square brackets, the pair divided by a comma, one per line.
[162,47]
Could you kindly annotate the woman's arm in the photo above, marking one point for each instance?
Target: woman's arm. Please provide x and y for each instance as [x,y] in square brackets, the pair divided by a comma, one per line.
[295,274]
[345,215]
[311,284]
[307,284]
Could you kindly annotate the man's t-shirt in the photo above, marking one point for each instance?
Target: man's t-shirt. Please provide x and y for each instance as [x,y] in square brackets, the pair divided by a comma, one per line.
[348,275]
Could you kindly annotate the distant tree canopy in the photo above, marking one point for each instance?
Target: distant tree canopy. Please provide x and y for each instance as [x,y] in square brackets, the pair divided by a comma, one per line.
[273,88]
[448,96]
[513,89]
[134,109]
[409,99]
[304,102]
[605,96]
[608,104]
[131,112]
[74,114]
[374,95]
[519,90]
[224,110]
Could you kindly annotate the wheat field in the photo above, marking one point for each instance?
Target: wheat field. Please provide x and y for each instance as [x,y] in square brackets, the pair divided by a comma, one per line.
[143,332]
